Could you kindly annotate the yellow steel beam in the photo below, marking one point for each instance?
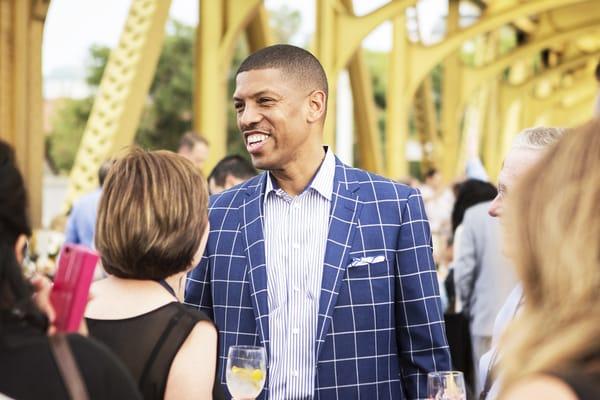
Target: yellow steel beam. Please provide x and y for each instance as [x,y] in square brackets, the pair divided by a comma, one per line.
[210,85]
[423,59]
[397,102]
[338,36]
[511,109]
[563,97]
[365,117]
[490,123]
[239,14]
[573,114]
[221,23]
[122,93]
[258,31]
[492,128]
[569,17]
[369,142]
[325,50]
[426,122]
[536,114]
[451,114]
[554,71]
[520,110]
[21,30]
[477,76]
[339,32]
[351,29]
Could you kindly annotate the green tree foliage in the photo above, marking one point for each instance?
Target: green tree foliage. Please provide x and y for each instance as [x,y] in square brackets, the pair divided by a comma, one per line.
[68,124]
[168,112]
[285,23]
[166,116]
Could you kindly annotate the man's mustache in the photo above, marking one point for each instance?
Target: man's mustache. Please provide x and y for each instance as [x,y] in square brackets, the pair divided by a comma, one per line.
[253,127]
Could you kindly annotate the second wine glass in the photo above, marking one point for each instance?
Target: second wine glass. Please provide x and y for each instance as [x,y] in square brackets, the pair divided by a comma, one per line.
[446,385]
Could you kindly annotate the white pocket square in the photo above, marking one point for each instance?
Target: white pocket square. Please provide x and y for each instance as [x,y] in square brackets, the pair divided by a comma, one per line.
[358,261]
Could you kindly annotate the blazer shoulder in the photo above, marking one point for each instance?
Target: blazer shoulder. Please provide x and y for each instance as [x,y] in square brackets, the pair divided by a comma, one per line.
[373,187]
[233,197]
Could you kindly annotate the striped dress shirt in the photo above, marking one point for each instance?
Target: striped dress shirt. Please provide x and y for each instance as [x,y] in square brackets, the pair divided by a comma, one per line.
[295,239]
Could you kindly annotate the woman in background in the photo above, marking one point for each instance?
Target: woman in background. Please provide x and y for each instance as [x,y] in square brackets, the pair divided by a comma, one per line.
[28,369]
[151,229]
[552,350]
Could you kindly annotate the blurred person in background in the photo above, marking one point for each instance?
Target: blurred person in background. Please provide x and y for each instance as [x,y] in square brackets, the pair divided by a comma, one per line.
[229,172]
[195,148]
[482,275]
[527,149]
[438,200]
[152,228]
[82,219]
[28,369]
[552,349]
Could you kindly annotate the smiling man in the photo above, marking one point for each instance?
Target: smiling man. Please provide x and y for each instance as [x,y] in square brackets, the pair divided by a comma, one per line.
[327,266]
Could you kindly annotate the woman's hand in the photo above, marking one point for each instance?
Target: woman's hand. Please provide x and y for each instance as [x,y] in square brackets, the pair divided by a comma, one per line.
[42,286]
[41,297]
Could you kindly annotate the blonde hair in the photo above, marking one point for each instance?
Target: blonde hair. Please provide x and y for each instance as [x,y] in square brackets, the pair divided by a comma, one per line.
[553,226]
[152,214]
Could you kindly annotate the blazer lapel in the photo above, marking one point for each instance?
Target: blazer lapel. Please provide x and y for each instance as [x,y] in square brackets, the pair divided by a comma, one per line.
[345,209]
[252,231]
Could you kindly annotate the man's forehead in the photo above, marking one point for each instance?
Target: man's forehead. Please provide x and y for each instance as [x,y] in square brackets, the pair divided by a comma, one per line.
[248,83]
[521,158]
[517,162]
[266,81]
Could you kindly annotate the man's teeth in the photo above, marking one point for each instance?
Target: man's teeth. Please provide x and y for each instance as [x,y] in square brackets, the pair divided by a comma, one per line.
[256,138]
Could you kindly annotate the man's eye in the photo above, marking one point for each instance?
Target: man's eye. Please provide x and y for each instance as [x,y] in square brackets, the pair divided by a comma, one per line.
[264,100]
[238,106]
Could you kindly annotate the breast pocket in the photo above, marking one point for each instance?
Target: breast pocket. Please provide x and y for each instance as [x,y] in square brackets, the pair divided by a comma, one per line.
[374,266]
[367,291]
[369,278]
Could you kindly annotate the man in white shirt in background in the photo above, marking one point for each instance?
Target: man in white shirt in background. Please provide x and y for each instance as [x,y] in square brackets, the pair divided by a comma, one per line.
[527,148]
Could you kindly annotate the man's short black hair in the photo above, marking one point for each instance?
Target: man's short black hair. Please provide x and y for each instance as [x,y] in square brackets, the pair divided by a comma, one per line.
[234,165]
[598,72]
[293,61]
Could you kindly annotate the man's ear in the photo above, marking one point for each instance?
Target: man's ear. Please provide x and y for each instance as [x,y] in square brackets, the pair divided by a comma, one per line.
[317,104]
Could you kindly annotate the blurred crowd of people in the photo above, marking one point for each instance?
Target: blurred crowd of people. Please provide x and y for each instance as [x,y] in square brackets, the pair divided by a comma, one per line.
[356,285]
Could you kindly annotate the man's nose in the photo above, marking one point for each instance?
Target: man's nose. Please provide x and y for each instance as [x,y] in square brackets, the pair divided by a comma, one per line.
[248,117]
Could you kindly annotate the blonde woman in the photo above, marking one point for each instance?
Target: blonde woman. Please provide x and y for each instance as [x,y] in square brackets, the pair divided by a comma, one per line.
[152,228]
[552,350]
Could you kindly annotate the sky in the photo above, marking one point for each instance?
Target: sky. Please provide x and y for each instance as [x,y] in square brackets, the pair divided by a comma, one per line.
[72,26]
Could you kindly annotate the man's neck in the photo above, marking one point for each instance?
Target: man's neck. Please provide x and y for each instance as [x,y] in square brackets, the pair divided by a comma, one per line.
[296,176]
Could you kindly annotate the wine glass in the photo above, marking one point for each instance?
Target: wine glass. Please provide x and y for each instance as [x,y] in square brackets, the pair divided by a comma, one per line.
[446,385]
[246,371]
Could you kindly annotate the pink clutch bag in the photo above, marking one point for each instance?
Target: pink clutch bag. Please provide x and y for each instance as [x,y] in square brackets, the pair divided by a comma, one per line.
[69,295]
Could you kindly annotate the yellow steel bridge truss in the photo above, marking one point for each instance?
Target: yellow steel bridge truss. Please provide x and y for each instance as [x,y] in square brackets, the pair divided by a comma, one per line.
[484,102]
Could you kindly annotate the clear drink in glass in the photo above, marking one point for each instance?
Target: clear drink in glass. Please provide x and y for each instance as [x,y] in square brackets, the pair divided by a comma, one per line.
[246,371]
[446,385]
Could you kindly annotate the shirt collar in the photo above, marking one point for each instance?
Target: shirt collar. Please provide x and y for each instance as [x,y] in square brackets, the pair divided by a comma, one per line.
[322,182]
